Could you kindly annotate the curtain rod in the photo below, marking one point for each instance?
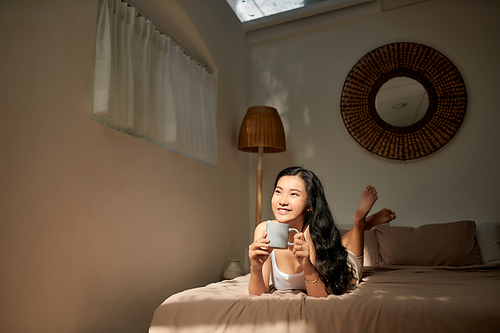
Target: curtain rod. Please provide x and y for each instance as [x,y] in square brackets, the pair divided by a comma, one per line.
[139,13]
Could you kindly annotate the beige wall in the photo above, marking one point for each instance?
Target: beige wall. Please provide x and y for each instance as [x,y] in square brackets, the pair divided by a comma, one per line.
[300,68]
[97,228]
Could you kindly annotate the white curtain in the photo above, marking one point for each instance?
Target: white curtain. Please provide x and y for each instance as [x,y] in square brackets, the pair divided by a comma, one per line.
[147,86]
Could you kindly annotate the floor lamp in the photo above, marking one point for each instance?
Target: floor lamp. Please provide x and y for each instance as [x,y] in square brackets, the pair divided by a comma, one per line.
[261,132]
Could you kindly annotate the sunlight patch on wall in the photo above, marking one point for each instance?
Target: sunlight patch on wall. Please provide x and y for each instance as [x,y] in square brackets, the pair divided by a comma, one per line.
[278,96]
[307,117]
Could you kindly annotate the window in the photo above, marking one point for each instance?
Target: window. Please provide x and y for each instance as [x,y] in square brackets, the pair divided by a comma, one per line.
[147,86]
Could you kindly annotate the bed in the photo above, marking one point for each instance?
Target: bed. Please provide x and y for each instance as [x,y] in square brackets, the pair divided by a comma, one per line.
[434,278]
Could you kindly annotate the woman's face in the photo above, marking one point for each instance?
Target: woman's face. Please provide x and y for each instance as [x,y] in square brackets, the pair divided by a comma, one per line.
[289,200]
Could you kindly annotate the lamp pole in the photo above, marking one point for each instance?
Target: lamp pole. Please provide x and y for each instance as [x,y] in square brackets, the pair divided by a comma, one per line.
[258,215]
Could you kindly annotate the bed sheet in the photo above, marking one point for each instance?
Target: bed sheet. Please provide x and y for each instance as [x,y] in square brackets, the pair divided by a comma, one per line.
[389,299]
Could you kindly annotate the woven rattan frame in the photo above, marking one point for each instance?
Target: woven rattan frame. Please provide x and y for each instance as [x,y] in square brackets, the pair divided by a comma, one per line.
[440,78]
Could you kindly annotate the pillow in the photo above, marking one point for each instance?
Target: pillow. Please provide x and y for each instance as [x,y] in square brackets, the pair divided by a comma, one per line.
[488,238]
[370,255]
[444,244]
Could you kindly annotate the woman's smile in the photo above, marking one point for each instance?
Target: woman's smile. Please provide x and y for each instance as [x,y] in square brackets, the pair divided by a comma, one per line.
[283,211]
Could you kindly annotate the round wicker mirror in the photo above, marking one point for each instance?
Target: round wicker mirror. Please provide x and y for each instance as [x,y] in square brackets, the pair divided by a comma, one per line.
[445,90]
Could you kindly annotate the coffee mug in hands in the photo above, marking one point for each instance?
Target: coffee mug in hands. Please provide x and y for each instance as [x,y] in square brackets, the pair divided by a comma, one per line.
[277,233]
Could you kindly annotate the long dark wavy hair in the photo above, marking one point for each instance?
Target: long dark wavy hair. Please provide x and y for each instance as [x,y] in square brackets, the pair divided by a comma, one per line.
[331,256]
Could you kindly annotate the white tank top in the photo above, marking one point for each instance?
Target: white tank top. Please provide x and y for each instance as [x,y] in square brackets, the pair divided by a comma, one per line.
[286,281]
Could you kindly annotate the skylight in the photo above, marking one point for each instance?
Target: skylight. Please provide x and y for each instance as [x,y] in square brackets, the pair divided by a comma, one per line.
[248,10]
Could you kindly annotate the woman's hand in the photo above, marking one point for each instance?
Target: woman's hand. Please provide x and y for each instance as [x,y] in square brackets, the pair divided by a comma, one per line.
[258,252]
[301,251]
[304,252]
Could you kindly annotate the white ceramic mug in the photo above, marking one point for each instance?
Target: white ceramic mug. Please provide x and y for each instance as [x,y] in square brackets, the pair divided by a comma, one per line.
[278,234]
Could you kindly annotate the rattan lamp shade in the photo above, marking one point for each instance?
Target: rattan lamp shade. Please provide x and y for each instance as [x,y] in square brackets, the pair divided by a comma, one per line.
[262,127]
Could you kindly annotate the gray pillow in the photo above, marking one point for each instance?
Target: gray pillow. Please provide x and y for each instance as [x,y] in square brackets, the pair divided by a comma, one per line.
[488,237]
[442,244]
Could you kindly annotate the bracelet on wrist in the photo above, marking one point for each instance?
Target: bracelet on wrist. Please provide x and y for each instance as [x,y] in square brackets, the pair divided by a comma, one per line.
[311,282]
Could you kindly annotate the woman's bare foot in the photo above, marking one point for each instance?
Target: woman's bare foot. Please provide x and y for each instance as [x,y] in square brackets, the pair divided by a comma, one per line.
[368,198]
[382,216]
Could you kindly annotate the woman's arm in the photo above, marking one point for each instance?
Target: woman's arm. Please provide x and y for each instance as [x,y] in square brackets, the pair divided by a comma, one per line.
[259,265]
[305,254]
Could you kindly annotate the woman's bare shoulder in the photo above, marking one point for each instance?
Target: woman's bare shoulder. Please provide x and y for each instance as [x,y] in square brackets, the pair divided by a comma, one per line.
[260,229]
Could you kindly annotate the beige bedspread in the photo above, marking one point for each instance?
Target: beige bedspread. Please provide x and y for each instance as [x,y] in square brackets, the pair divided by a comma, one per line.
[390,299]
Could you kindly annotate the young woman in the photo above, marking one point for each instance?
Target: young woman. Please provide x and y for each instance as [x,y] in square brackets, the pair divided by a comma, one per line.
[320,261]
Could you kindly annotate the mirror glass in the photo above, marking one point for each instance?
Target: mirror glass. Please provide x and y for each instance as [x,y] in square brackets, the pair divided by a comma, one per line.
[401,101]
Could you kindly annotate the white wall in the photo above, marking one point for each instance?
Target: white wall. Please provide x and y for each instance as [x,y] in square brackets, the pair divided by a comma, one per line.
[97,228]
[300,68]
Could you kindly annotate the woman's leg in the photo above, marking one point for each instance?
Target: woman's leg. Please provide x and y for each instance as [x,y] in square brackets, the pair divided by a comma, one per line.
[354,239]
